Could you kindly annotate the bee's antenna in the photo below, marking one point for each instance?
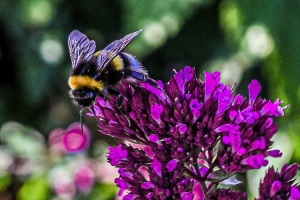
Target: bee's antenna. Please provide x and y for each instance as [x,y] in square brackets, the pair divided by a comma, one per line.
[81,119]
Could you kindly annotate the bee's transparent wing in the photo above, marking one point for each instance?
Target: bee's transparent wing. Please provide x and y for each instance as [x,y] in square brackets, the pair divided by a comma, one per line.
[80,48]
[113,49]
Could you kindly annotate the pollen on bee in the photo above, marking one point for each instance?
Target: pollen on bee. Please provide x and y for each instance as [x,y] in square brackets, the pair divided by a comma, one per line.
[76,82]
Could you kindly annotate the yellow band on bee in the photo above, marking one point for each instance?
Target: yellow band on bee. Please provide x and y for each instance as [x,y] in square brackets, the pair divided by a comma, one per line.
[117,63]
[77,82]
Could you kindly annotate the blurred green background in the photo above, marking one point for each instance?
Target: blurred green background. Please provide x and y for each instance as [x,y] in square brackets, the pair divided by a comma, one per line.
[243,39]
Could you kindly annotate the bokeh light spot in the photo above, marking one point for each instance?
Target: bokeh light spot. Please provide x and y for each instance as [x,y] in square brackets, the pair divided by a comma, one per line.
[38,12]
[155,34]
[258,41]
[51,51]
[171,23]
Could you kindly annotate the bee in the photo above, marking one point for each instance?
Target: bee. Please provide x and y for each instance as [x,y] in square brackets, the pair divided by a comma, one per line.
[100,73]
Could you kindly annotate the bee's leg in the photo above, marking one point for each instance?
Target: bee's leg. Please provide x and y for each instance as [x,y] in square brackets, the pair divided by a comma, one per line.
[144,78]
[138,75]
[94,113]
[152,82]
[120,104]
[105,94]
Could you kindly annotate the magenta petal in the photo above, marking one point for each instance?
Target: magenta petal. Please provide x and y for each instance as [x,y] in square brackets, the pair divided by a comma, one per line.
[117,154]
[157,167]
[210,84]
[276,186]
[198,192]
[225,100]
[153,138]
[273,109]
[187,196]
[147,185]
[256,161]
[226,139]
[182,128]
[129,197]
[157,91]
[241,151]
[254,89]
[122,184]
[233,114]
[171,165]
[274,153]
[227,128]
[295,193]
[258,144]
[156,111]
[184,76]
[195,104]
[195,107]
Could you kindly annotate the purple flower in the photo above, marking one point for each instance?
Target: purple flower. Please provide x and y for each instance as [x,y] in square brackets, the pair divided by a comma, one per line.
[188,124]
[122,185]
[116,155]
[280,184]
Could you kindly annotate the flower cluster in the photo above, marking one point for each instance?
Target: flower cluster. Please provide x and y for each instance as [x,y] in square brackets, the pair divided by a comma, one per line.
[279,185]
[198,132]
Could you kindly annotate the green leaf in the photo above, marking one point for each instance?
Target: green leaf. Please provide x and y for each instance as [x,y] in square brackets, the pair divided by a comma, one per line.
[4,182]
[103,191]
[36,188]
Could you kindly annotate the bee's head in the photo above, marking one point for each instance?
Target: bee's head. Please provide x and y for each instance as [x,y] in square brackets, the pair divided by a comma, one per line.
[84,96]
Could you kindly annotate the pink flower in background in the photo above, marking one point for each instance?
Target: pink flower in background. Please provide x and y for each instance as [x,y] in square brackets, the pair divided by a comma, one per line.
[55,141]
[84,178]
[71,140]
[63,185]
[74,140]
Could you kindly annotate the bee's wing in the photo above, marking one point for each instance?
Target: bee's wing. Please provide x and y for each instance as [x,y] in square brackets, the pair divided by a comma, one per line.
[80,48]
[113,49]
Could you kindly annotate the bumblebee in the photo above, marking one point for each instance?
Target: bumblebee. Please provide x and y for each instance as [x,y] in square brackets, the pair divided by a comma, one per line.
[99,74]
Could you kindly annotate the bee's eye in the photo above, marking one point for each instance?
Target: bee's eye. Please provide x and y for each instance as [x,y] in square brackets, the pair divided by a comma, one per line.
[90,94]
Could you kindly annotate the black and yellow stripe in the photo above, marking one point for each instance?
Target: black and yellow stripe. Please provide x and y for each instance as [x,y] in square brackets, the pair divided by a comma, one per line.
[79,81]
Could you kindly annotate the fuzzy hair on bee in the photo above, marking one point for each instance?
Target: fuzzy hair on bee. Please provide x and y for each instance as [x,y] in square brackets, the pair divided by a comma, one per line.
[100,73]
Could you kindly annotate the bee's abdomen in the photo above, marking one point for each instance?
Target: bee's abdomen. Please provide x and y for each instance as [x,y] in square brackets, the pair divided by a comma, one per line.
[132,62]
[79,81]
[133,67]
[117,63]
